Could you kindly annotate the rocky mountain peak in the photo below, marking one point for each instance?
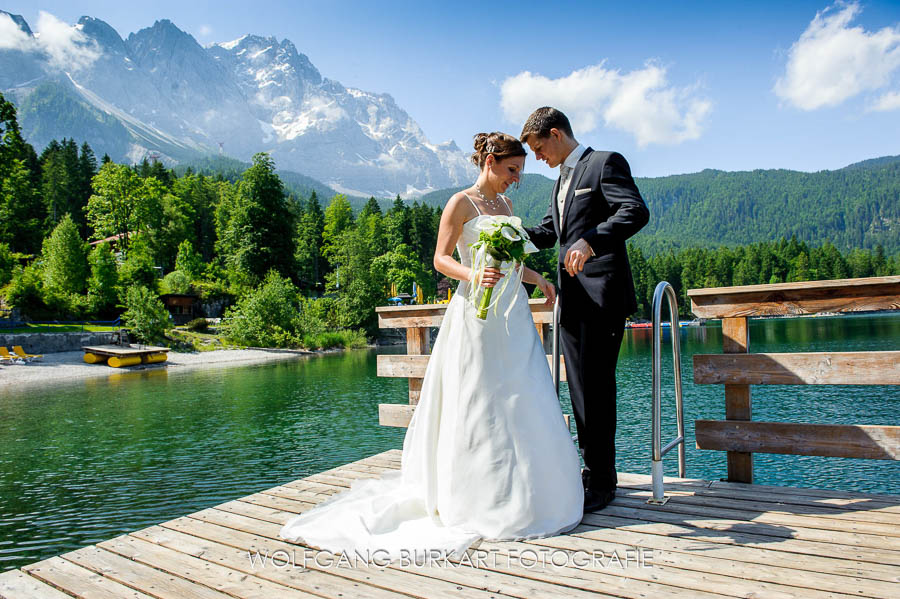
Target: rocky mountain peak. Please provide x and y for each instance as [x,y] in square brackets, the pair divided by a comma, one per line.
[19,21]
[103,34]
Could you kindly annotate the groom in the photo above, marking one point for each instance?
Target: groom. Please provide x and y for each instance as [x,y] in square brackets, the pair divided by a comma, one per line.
[595,206]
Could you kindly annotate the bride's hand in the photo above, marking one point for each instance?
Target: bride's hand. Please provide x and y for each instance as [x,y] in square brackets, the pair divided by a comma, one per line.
[548,290]
[491,277]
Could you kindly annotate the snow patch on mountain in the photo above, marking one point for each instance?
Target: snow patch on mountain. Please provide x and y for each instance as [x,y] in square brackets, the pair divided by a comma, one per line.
[251,94]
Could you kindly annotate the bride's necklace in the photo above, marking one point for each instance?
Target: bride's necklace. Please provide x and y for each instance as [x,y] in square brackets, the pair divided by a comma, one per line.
[492,204]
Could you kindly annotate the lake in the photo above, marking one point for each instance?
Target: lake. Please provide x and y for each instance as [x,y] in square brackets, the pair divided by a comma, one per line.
[86,461]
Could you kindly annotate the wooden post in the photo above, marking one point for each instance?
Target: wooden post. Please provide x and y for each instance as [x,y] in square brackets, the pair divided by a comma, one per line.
[736,340]
[418,342]
[543,330]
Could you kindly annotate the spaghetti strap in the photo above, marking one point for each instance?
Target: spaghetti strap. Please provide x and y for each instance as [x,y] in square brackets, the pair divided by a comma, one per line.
[507,203]
[471,201]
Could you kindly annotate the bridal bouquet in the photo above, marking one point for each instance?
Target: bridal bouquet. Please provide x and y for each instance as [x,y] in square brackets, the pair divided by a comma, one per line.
[500,239]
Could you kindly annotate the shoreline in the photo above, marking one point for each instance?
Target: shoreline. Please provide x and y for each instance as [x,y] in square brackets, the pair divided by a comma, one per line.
[64,367]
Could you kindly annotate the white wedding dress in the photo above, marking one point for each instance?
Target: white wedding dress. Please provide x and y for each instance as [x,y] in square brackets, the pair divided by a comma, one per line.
[487,454]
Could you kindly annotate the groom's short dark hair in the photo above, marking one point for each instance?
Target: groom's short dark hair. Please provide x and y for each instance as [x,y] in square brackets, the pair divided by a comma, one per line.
[542,120]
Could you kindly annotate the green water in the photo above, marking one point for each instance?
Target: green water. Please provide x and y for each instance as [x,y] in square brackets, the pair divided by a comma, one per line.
[85,461]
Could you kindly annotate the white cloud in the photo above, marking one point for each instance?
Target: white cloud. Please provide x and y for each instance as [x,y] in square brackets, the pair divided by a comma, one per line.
[888,101]
[833,61]
[65,46]
[640,102]
[11,37]
[205,31]
[68,48]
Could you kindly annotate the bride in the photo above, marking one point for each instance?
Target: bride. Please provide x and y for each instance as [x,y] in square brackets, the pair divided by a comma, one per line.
[487,454]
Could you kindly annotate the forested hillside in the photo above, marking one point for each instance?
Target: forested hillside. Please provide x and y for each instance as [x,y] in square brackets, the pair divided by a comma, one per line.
[854,207]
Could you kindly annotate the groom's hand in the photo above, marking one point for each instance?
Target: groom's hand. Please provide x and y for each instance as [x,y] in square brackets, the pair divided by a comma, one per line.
[578,254]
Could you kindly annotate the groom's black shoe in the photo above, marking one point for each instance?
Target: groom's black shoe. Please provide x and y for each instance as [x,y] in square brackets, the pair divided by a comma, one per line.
[597,500]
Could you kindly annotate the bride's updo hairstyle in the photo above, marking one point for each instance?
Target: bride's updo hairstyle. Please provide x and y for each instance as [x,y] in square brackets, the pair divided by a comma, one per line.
[499,144]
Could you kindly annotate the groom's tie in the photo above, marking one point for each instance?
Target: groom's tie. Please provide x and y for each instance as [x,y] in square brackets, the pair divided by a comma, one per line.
[564,173]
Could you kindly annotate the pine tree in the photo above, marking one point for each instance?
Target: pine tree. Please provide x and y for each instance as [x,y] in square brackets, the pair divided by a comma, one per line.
[65,258]
[308,254]
[259,232]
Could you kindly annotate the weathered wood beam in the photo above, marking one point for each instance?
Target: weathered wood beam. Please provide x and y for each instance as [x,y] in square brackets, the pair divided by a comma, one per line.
[832,440]
[808,297]
[825,368]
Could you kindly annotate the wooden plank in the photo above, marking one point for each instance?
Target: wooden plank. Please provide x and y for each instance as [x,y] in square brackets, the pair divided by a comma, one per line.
[431,315]
[831,440]
[871,534]
[304,579]
[119,350]
[79,581]
[809,297]
[749,579]
[738,404]
[186,570]
[761,502]
[785,495]
[15,584]
[816,368]
[413,366]
[139,576]
[397,414]
[741,546]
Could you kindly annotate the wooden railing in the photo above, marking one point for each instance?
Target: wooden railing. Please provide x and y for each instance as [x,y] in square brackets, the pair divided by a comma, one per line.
[737,370]
[417,320]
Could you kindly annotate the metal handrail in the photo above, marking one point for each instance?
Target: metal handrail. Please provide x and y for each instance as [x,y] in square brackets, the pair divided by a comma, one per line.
[664,290]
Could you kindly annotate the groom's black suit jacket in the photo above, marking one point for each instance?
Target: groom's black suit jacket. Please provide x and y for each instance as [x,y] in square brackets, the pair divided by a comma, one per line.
[611,212]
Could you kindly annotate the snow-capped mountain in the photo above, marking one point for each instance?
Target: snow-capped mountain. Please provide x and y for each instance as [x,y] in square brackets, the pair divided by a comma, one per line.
[167,95]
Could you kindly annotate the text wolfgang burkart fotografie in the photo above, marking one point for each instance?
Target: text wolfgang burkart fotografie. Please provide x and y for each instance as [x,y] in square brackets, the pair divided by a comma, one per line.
[538,557]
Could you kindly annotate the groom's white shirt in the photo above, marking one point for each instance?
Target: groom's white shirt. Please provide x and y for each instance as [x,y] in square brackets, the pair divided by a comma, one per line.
[570,162]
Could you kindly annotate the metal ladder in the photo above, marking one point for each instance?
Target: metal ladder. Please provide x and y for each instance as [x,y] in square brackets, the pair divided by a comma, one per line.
[664,290]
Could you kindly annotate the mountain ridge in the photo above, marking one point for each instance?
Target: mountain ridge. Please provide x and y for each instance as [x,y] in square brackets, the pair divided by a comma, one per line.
[856,206]
[178,100]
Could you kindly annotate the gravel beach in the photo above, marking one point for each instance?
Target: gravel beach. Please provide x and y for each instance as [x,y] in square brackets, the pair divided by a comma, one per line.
[68,366]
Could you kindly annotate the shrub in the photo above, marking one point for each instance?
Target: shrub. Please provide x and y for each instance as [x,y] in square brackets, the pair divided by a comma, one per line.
[176,282]
[265,317]
[146,316]
[348,339]
[199,325]
[25,291]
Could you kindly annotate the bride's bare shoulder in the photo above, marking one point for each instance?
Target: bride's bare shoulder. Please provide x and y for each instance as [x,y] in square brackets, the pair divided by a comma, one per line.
[459,207]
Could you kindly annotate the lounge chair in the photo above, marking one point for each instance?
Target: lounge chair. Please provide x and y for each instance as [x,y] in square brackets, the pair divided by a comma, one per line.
[5,355]
[17,349]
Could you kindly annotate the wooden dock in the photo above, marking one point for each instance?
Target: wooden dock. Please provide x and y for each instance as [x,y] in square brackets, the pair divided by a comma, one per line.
[712,539]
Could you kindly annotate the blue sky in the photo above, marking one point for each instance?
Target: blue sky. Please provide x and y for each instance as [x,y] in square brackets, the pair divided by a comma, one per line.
[675,86]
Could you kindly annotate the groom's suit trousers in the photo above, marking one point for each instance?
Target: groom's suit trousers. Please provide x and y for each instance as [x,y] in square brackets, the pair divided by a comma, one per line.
[591,349]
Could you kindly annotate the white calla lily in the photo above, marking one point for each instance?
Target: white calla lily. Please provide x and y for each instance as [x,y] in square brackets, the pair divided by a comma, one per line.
[510,233]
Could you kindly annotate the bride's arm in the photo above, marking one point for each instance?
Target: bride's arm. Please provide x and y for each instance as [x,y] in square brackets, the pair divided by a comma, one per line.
[457,211]
[533,277]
